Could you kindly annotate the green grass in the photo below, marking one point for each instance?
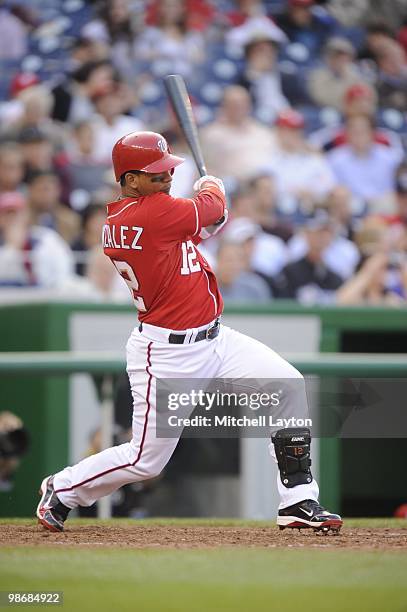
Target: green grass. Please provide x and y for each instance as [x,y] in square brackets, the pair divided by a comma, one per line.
[239,580]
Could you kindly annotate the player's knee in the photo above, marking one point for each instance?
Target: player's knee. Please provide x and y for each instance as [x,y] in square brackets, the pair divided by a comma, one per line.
[150,467]
[141,472]
[280,368]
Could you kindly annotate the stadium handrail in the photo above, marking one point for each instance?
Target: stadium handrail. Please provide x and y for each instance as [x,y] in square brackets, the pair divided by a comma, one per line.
[113,362]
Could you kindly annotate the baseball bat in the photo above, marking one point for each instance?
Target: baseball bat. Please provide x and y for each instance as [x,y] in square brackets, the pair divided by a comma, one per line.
[181,105]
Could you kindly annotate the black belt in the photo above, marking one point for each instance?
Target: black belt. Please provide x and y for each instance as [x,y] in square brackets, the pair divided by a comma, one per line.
[205,334]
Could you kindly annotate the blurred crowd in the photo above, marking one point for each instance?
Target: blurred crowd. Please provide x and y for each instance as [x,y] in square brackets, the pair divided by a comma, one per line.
[302,108]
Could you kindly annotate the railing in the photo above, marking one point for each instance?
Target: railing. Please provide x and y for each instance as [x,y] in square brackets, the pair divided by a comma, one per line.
[71,362]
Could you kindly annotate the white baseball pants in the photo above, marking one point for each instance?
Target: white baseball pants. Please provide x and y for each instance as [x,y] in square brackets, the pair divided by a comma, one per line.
[150,356]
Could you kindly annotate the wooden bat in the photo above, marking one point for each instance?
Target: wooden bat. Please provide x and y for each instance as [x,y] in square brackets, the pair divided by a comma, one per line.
[179,99]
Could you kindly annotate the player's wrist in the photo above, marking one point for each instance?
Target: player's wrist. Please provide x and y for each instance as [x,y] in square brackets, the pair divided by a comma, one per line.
[208,181]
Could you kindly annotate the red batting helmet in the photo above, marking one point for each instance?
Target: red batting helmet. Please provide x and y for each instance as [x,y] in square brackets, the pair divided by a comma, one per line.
[144,151]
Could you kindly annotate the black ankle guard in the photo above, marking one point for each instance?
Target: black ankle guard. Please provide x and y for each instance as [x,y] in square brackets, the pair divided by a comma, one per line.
[292,446]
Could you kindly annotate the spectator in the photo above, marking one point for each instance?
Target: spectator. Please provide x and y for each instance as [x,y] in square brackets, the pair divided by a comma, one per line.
[38,152]
[39,155]
[266,255]
[22,81]
[378,32]
[402,36]
[111,124]
[36,104]
[242,202]
[341,254]
[45,207]
[93,219]
[399,218]
[344,210]
[37,149]
[391,81]
[327,84]
[104,284]
[365,167]
[265,207]
[13,36]
[302,24]
[200,14]
[109,189]
[372,236]
[309,280]
[116,27]
[12,108]
[73,99]
[359,99]
[401,193]
[348,13]
[170,40]
[114,24]
[236,145]
[243,11]
[235,283]
[84,169]
[256,27]
[86,50]
[260,75]
[29,255]
[389,14]
[370,286]
[11,167]
[301,174]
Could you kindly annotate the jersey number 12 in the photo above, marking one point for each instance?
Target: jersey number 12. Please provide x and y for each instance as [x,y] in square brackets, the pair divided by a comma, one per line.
[189,263]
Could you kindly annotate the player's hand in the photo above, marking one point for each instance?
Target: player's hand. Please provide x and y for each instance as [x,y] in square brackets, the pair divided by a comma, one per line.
[207,181]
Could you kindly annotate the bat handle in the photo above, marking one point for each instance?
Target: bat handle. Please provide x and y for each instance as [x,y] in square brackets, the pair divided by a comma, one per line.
[202,170]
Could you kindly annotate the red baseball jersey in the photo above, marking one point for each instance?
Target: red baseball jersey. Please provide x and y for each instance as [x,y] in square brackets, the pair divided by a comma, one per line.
[152,241]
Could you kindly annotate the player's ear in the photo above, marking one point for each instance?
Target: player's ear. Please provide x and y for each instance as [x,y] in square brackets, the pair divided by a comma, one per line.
[131,179]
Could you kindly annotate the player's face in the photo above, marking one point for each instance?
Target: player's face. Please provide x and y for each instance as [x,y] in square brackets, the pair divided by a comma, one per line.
[147,183]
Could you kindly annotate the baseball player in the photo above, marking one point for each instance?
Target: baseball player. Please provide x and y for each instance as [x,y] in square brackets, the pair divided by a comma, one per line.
[151,239]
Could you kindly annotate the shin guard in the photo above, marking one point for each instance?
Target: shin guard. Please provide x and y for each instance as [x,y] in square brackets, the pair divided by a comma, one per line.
[292,446]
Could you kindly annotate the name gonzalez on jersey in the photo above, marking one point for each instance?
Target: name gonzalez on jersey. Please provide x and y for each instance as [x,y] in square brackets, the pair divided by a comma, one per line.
[120,237]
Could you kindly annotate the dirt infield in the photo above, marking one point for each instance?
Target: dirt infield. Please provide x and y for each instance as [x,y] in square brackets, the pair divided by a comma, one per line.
[189,537]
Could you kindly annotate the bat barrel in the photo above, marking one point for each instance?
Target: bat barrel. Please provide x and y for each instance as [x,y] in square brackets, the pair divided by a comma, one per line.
[179,99]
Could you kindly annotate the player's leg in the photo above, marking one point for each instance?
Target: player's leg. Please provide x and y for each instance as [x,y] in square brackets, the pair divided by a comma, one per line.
[142,458]
[146,455]
[244,357]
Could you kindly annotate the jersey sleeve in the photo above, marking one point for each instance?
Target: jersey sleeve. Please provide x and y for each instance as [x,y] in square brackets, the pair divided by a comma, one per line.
[211,204]
[179,218]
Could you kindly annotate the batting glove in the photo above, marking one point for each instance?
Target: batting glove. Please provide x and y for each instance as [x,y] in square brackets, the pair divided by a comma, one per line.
[208,180]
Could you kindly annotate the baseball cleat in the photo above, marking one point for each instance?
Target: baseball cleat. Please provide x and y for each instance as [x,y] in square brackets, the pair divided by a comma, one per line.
[51,512]
[309,514]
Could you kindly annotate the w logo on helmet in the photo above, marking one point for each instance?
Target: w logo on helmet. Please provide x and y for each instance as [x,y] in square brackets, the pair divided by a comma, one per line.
[162,145]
